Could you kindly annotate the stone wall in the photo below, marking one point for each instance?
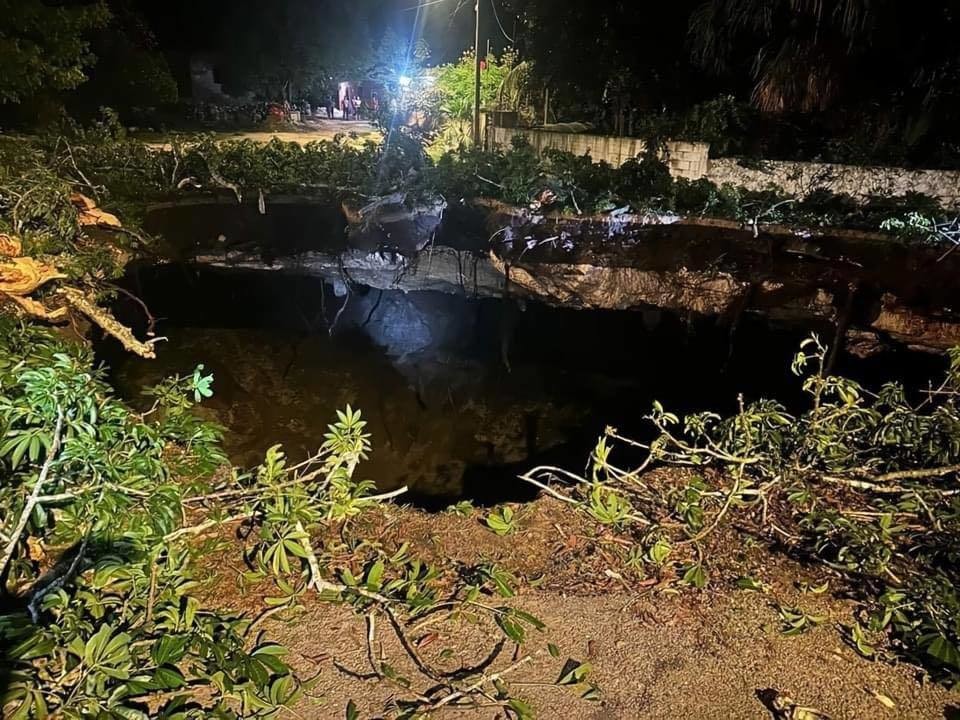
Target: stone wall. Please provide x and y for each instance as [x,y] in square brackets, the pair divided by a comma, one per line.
[685,159]
[860,182]
[691,160]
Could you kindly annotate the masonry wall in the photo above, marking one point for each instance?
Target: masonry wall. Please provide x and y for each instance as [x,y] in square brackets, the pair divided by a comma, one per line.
[685,159]
[860,182]
[691,160]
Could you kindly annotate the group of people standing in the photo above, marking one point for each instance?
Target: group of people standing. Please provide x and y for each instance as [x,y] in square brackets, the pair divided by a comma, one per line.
[350,105]
[307,110]
[353,107]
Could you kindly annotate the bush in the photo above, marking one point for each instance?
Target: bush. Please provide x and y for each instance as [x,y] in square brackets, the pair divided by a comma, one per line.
[856,482]
[112,628]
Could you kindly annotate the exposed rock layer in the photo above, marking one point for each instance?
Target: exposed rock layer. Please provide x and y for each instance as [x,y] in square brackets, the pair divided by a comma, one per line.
[871,289]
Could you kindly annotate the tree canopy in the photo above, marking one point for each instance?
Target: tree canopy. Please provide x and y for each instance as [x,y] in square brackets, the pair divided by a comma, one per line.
[810,55]
[131,68]
[455,83]
[284,48]
[44,46]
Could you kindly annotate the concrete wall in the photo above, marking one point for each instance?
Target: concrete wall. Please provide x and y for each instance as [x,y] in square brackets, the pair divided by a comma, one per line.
[860,182]
[691,160]
[685,159]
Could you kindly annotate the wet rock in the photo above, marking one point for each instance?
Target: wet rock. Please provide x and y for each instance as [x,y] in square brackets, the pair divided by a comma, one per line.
[863,343]
[437,268]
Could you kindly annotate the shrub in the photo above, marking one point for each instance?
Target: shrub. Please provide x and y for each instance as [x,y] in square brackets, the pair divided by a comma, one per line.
[857,480]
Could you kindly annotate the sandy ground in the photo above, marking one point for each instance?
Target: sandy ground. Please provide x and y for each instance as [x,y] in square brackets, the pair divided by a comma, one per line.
[702,657]
[310,132]
[655,651]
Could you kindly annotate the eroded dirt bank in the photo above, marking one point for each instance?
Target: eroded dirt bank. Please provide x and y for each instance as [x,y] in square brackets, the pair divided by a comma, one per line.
[865,288]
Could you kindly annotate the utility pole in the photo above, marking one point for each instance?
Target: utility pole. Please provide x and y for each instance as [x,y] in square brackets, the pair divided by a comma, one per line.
[476,81]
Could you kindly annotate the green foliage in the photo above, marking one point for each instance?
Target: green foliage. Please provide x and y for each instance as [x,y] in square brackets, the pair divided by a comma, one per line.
[113,630]
[131,70]
[643,179]
[858,477]
[608,506]
[455,84]
[288,503]
[45,47]
[126,172]
[502,521]
[795,621]
[723,122]
[752,585]
[520,176]
[659,551]
[464,508]
[329,166]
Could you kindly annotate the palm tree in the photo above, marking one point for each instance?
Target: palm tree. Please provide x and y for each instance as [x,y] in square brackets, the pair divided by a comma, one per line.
[802,52]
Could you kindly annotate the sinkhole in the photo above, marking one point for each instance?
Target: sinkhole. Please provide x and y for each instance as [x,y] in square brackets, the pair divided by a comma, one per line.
[461,394]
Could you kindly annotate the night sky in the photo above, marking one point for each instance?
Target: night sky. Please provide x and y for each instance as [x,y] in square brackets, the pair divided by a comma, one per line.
[446,25]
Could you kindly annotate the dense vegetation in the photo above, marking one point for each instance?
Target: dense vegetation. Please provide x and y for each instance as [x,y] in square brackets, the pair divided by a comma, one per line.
[106,512]
[127,172]
[101,620]
[809,79]
[858,483]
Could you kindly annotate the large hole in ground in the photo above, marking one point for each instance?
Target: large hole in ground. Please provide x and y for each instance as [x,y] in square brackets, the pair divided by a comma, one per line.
[461,395]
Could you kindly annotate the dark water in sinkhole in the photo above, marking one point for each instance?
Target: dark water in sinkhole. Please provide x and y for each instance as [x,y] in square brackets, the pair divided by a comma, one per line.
[447,416]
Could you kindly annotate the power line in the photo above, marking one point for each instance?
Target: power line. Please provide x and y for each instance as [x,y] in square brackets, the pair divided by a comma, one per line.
[493,4]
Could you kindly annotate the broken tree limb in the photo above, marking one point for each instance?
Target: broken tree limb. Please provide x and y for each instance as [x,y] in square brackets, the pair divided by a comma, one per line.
[109,324]
[36,309]
[918,473]
[221,181]
[484,679]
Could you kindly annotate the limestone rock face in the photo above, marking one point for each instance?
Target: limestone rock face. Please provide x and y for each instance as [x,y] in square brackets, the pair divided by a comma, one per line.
[624,288]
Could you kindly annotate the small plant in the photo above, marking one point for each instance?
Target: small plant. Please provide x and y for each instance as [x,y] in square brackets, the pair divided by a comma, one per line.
[819,589]
[696,576]
[688,504]
[795,621]
[464,508]
[752,585]
[857,637]
[608,506]
[659,552]
[502,521]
